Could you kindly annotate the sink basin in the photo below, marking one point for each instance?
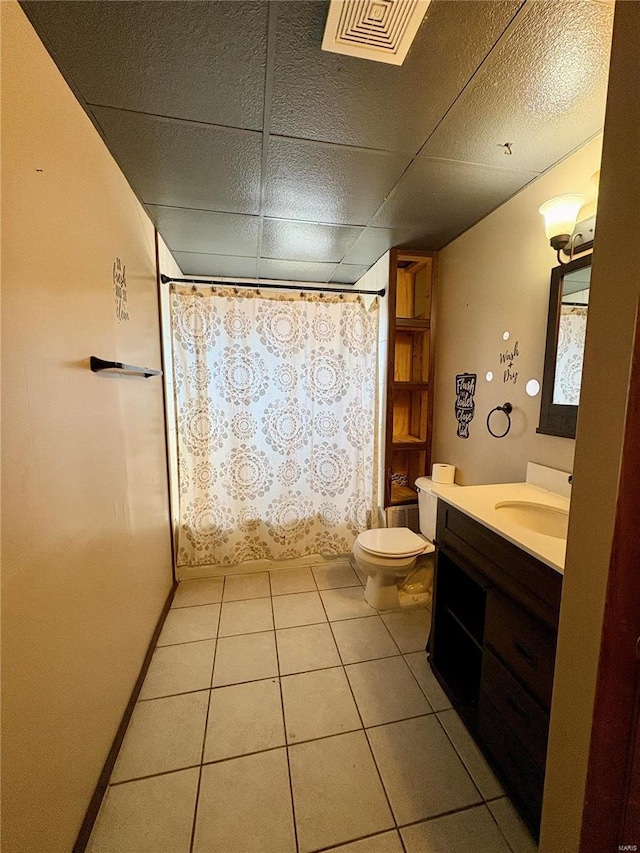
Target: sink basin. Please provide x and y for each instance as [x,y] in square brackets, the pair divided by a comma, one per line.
[541,518]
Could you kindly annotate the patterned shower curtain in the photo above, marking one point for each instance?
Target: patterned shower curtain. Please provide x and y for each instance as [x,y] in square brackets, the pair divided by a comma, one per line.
[275,401]
[570,354]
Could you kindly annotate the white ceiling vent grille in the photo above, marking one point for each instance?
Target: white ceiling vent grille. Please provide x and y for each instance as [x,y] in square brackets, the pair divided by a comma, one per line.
[382,30]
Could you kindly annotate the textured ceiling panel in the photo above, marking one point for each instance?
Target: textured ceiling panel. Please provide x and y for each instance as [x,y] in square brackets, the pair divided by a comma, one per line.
[543,89]
[320,95]
[328,183]
[348,273]
[186,230]
[184,164]
[443,195]
[306,241]
[218,266]
[203,61]
[374,242]
[295,271]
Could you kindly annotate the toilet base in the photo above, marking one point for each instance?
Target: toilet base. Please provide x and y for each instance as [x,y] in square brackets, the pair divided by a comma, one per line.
[381,592]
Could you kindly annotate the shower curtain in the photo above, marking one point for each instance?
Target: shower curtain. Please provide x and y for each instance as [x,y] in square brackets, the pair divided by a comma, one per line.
[570,354]
[275,400]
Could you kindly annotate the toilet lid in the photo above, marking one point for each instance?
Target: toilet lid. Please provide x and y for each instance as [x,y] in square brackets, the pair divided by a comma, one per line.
[393,542]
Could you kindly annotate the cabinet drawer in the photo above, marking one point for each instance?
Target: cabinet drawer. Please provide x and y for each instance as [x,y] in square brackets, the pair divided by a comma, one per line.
[524,777]
[523,644]
[528,721]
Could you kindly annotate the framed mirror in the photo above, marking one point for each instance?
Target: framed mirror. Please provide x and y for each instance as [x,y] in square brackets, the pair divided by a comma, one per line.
[566,327]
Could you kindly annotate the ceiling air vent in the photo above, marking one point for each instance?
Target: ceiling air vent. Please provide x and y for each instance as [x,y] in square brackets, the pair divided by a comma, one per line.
[382,30]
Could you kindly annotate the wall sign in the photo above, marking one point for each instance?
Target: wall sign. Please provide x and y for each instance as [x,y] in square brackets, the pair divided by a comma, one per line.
[508,359]
[465,406]
[120,290]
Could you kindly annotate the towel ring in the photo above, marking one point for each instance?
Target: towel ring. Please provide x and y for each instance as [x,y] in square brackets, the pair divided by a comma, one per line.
[507,408]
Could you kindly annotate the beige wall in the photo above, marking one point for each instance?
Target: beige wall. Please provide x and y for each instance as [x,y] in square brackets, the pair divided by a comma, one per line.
[492,279]
[615,286]
[85,544]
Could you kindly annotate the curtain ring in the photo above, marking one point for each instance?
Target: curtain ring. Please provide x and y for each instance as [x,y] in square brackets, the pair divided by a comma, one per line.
[194,289]
[235,290]
[342,296]
[302,294]
[213,290]
[257,291]
[321,295]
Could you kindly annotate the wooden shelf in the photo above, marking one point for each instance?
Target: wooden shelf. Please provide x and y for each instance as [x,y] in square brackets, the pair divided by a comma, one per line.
[402,494]
[405,438]
[412,324]
[411,386]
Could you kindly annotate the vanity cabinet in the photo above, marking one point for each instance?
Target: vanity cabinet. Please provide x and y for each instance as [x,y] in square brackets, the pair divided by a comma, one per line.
[493,643]
[409,402]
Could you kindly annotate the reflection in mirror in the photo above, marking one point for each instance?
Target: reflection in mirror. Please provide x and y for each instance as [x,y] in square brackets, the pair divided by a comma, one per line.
[571,335]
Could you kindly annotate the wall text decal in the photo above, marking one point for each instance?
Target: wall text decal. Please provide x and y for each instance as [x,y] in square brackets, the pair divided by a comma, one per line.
[120,290]
[508,358]
[465,406]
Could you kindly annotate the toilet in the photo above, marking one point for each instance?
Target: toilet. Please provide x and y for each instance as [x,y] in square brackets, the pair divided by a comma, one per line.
[388,554]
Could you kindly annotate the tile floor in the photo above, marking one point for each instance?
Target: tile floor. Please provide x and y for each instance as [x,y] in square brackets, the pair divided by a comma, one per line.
[281,713]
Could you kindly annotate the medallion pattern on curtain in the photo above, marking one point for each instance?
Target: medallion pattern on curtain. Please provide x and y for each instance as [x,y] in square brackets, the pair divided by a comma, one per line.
[570,355]
[275,398]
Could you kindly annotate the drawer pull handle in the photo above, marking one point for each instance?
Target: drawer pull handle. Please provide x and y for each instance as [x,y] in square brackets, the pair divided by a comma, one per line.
[517,707]
[530,659]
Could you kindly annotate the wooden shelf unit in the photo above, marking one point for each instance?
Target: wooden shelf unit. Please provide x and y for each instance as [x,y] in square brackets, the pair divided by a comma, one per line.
[409,373]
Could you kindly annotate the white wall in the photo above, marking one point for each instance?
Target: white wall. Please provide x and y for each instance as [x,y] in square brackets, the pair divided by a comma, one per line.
[86,558]
[492,279]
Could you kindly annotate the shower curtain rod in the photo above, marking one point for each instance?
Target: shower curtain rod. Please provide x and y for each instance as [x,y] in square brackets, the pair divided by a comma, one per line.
[165,279]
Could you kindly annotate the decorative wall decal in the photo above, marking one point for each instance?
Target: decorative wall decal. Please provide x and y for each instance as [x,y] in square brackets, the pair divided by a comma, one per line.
[465,390]
[120,290]
[508,359]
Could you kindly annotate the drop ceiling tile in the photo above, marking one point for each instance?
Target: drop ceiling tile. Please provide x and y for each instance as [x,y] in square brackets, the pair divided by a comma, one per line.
[201,61]
[543,89]
[371,104]
[328,183]
[374,242]
[185,164]
[348,273]
[447,196]
[306,241]
[217,266]
[186,230]
[295,270]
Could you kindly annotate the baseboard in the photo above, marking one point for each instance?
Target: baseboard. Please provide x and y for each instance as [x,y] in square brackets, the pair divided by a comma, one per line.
[103,780]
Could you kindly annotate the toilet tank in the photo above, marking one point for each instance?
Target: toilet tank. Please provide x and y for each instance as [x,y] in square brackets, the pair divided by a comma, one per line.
[427,507]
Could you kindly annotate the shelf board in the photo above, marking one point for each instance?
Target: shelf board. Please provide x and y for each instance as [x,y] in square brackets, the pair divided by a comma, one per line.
[411,386]
[405,438]
[402,494]
[461,625]
[412,324]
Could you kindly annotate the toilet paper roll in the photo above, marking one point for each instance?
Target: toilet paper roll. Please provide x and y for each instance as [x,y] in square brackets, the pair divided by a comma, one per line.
[443,474]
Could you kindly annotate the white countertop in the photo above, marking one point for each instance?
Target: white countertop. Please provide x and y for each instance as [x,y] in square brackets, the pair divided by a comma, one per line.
[479,502]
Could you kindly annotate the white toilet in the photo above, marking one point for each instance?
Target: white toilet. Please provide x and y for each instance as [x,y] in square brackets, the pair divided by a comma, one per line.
[388,554]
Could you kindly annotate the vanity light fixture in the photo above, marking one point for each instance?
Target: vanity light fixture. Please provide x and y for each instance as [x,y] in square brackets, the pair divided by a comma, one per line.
[560,215]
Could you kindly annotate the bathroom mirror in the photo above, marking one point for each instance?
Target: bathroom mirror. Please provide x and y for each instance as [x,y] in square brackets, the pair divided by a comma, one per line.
[566,326]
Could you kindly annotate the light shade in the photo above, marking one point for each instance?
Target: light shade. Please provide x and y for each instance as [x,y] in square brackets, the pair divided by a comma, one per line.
[560,214]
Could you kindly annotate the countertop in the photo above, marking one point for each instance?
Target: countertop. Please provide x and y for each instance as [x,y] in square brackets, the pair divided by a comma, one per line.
[478,502]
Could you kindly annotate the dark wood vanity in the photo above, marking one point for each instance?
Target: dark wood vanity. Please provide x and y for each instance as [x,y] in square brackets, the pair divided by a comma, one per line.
[493,642]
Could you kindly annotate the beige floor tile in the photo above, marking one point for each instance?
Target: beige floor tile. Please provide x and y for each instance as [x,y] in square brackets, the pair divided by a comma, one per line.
[410,630]
[244,718]
[421,668]
[245,806]
[149,816]
[200,591]
[473,829]
[239,587]
[333,577]
[245,617]
[164,734]
[318,704]
[475,762]
[420,769]
[303,608]
[363,639]
[336,791]
[385,690]
[346,603]
[249,657]
[287,581]
[388,842]
[179,669]
[306,647]
[186,624]
[512,826]
[362,576]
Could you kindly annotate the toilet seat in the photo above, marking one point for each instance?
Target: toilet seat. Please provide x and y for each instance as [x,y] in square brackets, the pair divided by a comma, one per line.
[393,542]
